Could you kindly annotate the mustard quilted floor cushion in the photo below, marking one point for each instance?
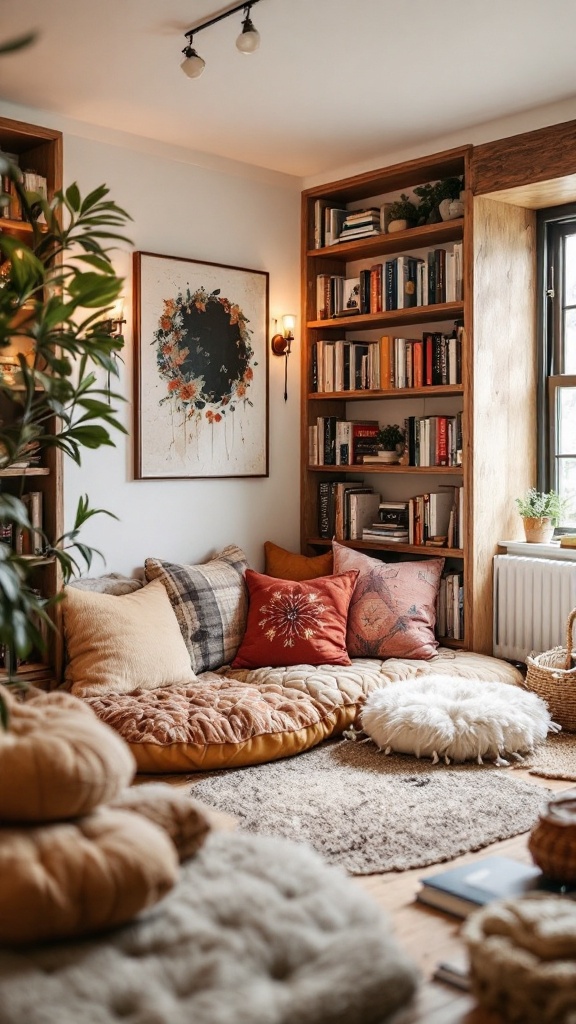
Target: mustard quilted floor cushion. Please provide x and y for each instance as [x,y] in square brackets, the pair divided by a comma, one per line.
[247,716]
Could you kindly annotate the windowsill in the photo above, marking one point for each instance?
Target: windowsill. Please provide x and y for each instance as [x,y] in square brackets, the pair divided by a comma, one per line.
[551,550]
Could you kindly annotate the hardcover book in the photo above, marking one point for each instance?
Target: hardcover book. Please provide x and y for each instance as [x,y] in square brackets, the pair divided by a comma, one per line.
[461,890]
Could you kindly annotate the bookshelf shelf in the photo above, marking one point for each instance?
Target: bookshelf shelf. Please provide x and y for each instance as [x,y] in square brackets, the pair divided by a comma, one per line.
[371,467]
[382,245]
[437,313]
[414,549]
[25,471]
[430,391]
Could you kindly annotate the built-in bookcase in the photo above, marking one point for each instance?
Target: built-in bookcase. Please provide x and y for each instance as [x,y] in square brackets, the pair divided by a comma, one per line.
[467,397]
[37,150]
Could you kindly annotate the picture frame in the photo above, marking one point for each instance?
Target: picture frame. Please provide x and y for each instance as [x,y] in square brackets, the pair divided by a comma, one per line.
[201,399]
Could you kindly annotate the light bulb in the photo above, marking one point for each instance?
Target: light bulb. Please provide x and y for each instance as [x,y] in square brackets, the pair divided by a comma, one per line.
[289,323]
[249,38]
[192,65]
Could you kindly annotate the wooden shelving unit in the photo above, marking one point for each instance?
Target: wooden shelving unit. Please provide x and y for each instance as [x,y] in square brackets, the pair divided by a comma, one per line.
[497,393]
[38,149]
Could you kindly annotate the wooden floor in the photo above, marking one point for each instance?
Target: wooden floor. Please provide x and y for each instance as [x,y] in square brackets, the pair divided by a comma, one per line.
[427,935]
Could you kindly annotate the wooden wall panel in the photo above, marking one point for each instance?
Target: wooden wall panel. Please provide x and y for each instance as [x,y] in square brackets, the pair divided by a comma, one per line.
[503,434]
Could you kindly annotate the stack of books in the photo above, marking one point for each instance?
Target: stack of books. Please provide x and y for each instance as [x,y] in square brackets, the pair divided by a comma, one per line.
[392,524]
[360,224]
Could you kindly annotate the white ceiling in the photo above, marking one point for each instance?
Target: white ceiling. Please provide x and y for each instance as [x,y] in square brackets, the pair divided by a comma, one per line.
[334,82]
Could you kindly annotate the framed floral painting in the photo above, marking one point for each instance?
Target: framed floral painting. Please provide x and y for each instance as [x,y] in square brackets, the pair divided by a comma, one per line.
[201,369]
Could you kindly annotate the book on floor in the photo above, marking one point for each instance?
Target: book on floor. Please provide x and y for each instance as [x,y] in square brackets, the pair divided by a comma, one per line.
[461,890]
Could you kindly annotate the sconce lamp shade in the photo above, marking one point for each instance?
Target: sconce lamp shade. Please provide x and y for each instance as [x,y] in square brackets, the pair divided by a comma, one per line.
[289,322]
[192,65]
[249,38]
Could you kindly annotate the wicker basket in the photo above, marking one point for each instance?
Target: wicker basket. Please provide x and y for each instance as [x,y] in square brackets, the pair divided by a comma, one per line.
[552,841]
[553,678]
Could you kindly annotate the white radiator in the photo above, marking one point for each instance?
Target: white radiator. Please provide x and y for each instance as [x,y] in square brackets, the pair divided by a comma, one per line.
[533,598]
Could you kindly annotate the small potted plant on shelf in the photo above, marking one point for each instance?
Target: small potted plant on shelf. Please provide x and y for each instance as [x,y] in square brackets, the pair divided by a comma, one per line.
[540,512]
[390,441]
[402,214]
[439,201]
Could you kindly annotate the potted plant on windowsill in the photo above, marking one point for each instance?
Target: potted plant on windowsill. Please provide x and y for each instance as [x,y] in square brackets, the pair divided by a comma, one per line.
[390,441]
[540,512]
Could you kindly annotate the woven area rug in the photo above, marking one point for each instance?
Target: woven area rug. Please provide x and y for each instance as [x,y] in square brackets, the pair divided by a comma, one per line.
[554,759]
[373,813]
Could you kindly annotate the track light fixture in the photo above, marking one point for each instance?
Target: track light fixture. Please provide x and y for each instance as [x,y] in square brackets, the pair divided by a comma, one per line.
[247,42]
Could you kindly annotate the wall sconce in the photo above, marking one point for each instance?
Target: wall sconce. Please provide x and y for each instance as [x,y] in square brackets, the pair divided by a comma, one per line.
[247,42]
[281,344]
[113,327]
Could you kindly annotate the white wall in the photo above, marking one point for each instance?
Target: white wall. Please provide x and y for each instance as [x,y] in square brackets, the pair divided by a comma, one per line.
[204,209]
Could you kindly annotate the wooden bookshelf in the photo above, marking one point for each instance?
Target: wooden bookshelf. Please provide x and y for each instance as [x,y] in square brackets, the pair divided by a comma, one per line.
[497,453]
[38,149]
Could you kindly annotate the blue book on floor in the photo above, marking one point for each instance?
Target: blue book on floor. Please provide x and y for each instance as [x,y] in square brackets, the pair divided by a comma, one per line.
[461,890]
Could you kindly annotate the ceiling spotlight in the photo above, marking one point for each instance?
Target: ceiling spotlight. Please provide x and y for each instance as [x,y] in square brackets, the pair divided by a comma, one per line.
[249,38]
[247,42]
[192,65]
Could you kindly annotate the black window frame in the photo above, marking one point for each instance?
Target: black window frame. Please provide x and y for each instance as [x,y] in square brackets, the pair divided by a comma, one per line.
[553,224]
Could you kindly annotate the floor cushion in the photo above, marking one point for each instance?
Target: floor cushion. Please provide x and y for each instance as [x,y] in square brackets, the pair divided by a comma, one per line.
[457,719]
[258,930]
[236,717]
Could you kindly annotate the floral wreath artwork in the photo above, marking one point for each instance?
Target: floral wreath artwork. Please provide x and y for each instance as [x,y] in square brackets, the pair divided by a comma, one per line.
[204,354]
[201,369]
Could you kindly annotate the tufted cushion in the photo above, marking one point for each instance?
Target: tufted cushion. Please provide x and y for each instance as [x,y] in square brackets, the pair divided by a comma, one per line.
[63,880]
[57,760]
[117,644]
[284,565]
[393,610]
[248,716]
[296,623]
[458,719]
[183,818]
[259,930]
[210,602]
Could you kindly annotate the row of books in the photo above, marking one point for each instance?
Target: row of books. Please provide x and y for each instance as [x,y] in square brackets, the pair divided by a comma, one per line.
[434,440]
[450,606]
[334,224]
[32,182]
[354,511]
[429,441]
[402,282]
[387,362]
[434,519]
[22,540]
[336,442]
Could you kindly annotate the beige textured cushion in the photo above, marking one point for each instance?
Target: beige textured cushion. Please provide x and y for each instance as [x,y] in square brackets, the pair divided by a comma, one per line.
[57,760]
[64,880]
[183,818]
[121,644]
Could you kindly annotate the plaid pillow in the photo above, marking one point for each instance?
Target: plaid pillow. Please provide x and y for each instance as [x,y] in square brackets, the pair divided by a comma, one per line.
[210,602]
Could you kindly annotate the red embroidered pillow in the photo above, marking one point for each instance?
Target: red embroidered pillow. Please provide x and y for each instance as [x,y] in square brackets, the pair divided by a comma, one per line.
[296,623]
[393,610]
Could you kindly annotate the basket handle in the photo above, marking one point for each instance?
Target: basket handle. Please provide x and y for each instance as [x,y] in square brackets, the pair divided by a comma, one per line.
[569,641]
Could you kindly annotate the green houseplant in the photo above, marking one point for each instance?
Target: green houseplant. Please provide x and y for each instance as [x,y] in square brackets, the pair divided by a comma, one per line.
[390,440]
[402,214]
[540,512]
[55,295]
[432,194]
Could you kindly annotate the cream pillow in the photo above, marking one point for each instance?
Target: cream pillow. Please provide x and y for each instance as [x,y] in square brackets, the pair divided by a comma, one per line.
[125,643]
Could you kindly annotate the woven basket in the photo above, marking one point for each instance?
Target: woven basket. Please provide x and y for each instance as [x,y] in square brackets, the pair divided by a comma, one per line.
[552,841]
[553,678]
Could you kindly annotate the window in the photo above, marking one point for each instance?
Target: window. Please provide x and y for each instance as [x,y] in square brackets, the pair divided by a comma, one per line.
[557,384]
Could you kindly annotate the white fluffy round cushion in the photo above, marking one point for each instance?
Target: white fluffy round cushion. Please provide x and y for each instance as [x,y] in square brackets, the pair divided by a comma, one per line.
[457,719]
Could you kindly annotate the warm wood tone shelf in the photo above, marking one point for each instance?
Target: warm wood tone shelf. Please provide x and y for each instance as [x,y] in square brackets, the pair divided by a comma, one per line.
[392,318]
[384,245]
[371,467]
[26,471]
[430,391]
[415,549]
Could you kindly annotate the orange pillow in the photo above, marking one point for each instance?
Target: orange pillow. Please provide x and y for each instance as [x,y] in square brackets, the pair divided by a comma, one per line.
[296,623]
[284,565]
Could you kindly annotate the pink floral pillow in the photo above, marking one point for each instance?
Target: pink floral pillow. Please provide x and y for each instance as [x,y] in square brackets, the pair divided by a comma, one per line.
[393,609]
